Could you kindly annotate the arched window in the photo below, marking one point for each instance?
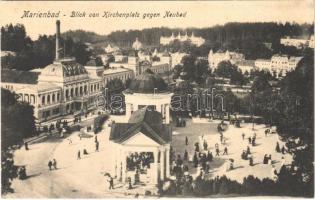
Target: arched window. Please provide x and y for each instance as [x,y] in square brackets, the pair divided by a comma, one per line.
[94,87]
[67,94]
[48,98]
[53,98]
[76,91]
[91,88]
[58,96]
[85,89]
[81,90]
[71,92]
[43,100]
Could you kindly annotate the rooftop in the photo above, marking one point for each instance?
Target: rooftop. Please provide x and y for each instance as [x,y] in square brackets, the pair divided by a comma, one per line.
[145,121]
[147,83]
[116,70]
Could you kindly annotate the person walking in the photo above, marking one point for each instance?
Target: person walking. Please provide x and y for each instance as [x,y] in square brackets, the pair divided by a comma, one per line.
[54,163]
[26,146]
[186,155]
[111,182]
[243,136]
[217,152]
[96,145]
[205,145]
[50,164]
[79,155]
[186,140]
[225,151]
[249,140]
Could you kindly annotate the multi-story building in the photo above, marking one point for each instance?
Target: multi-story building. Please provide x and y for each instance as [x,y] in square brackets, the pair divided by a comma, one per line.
[263,64]
[278,64]
[245,65]
[298,42]
[215,58]
[281,64]
[60,88]
[117,73]
[198,41]
[138,64]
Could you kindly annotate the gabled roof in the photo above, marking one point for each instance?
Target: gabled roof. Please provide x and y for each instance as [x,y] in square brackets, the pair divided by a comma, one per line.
[147,122]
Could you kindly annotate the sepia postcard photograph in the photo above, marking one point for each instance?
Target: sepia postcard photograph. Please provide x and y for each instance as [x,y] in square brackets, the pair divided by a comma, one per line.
[157,99]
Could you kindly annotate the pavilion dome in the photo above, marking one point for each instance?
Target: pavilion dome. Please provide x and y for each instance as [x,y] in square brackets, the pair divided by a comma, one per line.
[147,83]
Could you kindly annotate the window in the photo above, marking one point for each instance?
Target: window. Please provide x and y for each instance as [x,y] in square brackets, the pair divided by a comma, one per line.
[76,91]
[91,88]
[81,90]
[55,111]
[53,98]
[48,98]
[43,100]
[58,97]
[71,92]
[67,94]
[85,89]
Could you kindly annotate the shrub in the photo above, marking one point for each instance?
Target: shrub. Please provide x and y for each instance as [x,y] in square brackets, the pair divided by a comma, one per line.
[99,121]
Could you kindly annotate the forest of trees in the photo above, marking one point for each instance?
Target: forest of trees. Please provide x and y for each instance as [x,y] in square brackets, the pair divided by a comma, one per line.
[255,40]
[39,53]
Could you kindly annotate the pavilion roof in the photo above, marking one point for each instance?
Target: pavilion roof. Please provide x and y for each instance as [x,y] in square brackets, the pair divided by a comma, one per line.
[147,122]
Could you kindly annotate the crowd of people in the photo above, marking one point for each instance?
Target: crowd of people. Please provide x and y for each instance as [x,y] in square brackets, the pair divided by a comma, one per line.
[139,161]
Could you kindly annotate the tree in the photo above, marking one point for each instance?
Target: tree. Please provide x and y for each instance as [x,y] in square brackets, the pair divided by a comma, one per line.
[17,123]
[81,53]
[115,86]
[225,69]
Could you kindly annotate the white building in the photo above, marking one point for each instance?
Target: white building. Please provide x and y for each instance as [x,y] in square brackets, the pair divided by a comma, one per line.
[138,66]
[60,88]
[137,45]
[146,132]
[215,58]
[263,64]
[245,65]
[298,42]
[143,135]
[278,64]
[283,63]
[198,41]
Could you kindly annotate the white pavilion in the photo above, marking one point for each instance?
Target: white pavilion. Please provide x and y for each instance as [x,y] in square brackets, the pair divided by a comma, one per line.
[147,133]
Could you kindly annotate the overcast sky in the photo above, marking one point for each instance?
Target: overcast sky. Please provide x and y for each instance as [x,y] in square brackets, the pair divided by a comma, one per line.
[199,14]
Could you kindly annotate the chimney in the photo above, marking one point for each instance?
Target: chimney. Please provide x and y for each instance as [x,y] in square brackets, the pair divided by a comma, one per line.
[57,39]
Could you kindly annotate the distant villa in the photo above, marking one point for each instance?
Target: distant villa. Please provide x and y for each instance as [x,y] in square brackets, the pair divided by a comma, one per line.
[198,41]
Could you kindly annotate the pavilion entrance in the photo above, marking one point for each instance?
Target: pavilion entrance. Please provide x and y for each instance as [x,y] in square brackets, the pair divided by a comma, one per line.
[141,167]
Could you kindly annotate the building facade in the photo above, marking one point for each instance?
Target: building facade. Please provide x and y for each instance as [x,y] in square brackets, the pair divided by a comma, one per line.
[298,42]
[198,41]
[215,58]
